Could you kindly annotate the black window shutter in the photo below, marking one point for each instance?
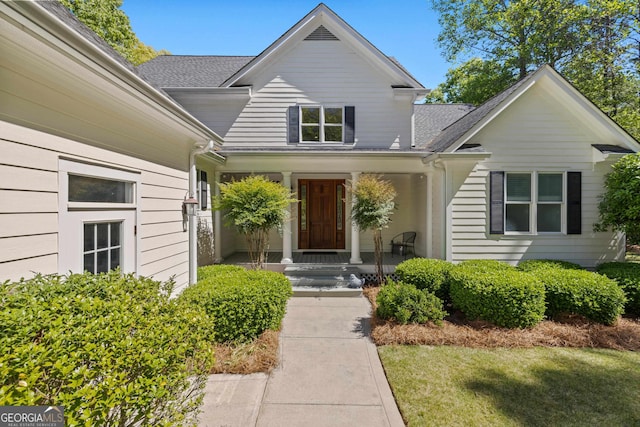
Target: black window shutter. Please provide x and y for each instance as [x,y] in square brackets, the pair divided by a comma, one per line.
[204,194]
[574,202]
[496,202]
[294,124]
[349,124]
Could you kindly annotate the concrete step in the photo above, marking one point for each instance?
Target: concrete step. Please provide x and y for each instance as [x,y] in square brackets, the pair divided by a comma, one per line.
[315,280]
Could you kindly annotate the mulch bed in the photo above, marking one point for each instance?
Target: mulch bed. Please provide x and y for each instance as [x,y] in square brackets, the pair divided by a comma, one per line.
[260,355]
[572,331]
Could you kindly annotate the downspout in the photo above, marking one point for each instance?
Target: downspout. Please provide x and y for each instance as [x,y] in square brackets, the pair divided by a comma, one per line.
[193,225]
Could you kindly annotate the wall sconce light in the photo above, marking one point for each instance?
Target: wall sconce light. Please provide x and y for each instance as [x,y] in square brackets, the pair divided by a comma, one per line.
[189,208]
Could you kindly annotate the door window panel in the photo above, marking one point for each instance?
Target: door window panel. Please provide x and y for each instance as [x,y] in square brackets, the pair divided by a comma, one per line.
[102,246]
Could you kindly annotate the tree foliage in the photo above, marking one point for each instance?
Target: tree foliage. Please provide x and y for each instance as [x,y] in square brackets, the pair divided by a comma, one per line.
[110,22]
[620,204]
[255,205]
[595,44]
[372,209]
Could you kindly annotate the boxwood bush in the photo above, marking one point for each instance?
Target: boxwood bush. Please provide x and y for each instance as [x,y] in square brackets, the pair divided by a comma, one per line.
[487,265]
[537,264]
[591,295]
[405,303]
[244,303]
[111,349]
[503,296]
[627,274]
[425,273]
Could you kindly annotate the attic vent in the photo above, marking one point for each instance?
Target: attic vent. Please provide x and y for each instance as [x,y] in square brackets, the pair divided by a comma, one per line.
[321,33]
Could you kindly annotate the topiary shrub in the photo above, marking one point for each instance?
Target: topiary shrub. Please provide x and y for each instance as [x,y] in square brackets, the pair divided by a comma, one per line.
[243,302]
[627,275]
[537,264]
[591,295]
[428,274]
[405,303]
[504,296]
[111,349]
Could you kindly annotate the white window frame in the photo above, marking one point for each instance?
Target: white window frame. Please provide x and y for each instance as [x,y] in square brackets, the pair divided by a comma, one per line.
[321,124]
[73,215]
[533,204]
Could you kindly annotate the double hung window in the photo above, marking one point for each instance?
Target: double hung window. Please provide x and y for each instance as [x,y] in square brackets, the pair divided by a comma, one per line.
[321,124]
[535,202]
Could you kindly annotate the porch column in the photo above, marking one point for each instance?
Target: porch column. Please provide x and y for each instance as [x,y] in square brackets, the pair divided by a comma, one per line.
[287,255]
[355,232]
[429,207]
[217,225]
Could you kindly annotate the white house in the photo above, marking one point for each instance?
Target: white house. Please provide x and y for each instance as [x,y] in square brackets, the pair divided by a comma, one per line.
[516,178]
[94,161]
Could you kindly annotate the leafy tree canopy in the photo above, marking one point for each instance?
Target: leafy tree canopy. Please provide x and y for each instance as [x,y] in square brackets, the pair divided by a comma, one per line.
[110,22]
[595,44]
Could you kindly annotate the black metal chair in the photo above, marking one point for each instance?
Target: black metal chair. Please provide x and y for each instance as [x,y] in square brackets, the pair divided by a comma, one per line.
[404,242]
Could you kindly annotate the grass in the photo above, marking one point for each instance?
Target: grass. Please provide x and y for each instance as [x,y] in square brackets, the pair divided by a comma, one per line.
[455,386]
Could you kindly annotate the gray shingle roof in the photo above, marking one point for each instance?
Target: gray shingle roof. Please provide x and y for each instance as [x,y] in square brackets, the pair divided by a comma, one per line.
[431,119]
[58,10]
[609,149]
[173,71]
[456,130]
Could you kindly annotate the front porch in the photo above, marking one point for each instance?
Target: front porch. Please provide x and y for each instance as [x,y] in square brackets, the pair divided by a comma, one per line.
[367,267]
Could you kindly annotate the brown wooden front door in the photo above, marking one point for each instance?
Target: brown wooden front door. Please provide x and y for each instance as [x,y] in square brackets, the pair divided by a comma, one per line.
[321,214]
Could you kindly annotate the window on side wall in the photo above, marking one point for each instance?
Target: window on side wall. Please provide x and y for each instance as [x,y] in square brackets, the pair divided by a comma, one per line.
[98,218]
[535,202]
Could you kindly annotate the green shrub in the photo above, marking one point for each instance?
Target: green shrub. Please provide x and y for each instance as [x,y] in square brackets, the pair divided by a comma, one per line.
[537,264]
[488,265]
[591,295]
[209,271]
[627,274]
[244,303]
[110,349]
[504,296]
[407,304]
[428,274]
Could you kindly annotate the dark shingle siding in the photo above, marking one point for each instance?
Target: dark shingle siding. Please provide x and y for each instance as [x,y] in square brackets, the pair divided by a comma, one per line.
[431,119]
[178,71]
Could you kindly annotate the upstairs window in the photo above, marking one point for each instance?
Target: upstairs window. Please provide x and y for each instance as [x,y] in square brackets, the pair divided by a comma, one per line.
[320,124]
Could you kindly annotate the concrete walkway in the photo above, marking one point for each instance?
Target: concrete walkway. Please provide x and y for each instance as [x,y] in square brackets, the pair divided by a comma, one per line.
[329,375]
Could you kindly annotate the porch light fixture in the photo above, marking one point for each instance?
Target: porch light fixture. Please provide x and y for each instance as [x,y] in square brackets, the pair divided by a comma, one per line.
[189,208]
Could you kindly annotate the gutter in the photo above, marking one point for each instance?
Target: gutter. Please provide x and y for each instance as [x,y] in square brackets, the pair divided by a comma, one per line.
[193,225]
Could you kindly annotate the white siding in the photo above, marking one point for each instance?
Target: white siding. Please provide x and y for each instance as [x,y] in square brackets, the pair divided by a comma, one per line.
[320,72]
[533,134]
[29,205]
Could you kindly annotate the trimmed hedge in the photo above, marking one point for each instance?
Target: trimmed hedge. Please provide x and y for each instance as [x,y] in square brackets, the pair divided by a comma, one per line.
[486,265]
[218,270]
[503,296]
[405,303]
[112,349]
[627,275]
[591,295]
[244,303]
[425,273]
[537,264]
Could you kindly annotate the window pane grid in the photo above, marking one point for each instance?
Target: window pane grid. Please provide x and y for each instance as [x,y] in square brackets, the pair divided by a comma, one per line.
[322,124]
[102,246]
[534,202]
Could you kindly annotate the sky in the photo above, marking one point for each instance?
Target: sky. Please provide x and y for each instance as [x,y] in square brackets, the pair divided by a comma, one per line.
[405,29]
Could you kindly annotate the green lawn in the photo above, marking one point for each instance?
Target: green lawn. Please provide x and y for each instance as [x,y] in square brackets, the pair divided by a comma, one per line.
[457,386]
